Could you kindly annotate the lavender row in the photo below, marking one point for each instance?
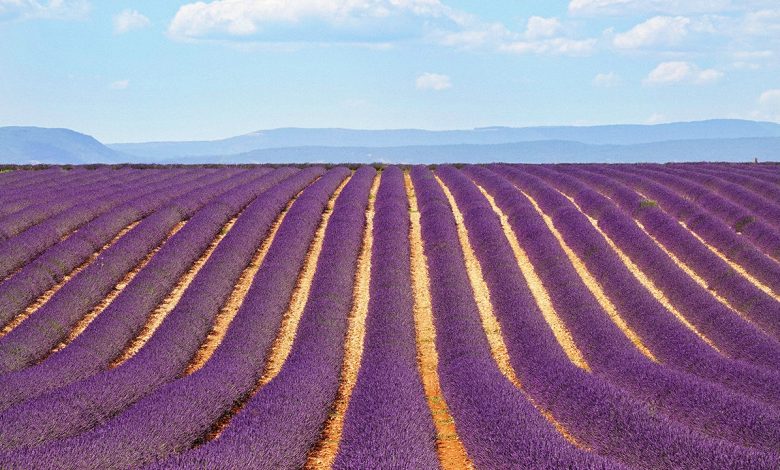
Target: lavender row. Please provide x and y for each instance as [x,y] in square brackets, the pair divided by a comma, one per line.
[20,180]
[16,222]
[47,326]
[698,404]
[21,249]
[388,423]
[721,278]
[712,230]
[85,404]
[73,181]
[274,431]
[758,186]
[729,333]
[51,266]
[37,194]
[103,340]
[763,236]
[13,224]
[668,339]
[762,208]
[497,424]
[592,408]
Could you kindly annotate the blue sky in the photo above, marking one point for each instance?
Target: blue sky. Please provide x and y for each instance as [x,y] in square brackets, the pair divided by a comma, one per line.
[174,70]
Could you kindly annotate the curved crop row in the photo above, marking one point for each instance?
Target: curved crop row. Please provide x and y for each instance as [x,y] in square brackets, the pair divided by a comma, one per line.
[735,290]
[760,205]
[716,322]
[115,328]
[713,231]
[492,316]
[762,235]
[60,413]
[42,194]
[651,315]
[271,430]
[631,433]
[498,425]
[46,327]
[27,245]
[13,224]
[691,401]
[36,281]
[388,423]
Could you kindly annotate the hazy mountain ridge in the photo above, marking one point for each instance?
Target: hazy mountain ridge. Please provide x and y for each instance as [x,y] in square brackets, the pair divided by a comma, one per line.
[597,135]
[716,140]
[547,151]
[53,146]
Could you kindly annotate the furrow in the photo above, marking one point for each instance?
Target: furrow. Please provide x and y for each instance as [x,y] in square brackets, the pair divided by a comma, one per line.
[324,453]
[171,300]
[593,285]
[489,321]
[643,279]
[452,453]
[40,301]
[292,317]
[285,337]
[231,307]
[542,297]
[735,266]
[82,324]
[695,276]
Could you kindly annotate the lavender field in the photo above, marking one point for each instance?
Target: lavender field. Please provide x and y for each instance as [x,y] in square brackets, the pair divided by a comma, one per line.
[489,317]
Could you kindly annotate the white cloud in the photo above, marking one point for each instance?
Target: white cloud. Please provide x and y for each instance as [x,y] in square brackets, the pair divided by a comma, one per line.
[34,9]
[362,21]
[554,46]
[607,80]
[762,23]
[120,85]
[656,118]
[542,36]
[433,81]
[539,27]
[770,98]
[129,20]
[659,30]
[632,7]
[368,23]
[668,73]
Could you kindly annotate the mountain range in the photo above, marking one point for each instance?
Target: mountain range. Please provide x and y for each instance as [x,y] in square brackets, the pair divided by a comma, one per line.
[712,140]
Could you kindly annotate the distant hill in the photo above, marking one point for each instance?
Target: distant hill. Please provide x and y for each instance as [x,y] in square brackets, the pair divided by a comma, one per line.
[718,140]
[23,145]
[595,135]
[547,151]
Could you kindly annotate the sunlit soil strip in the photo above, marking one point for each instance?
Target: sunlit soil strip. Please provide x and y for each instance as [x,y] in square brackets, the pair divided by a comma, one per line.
[542,298]
[169,302]
[292,317]
[324,454]
[82,324]
[59,240]
[489,321]
[452,454]
[736,267]
[692,274]
[640,276]
[593,285]
[236,299]
[38,303]
[283,342]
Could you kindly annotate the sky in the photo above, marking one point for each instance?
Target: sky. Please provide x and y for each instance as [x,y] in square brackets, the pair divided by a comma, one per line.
[147,70]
